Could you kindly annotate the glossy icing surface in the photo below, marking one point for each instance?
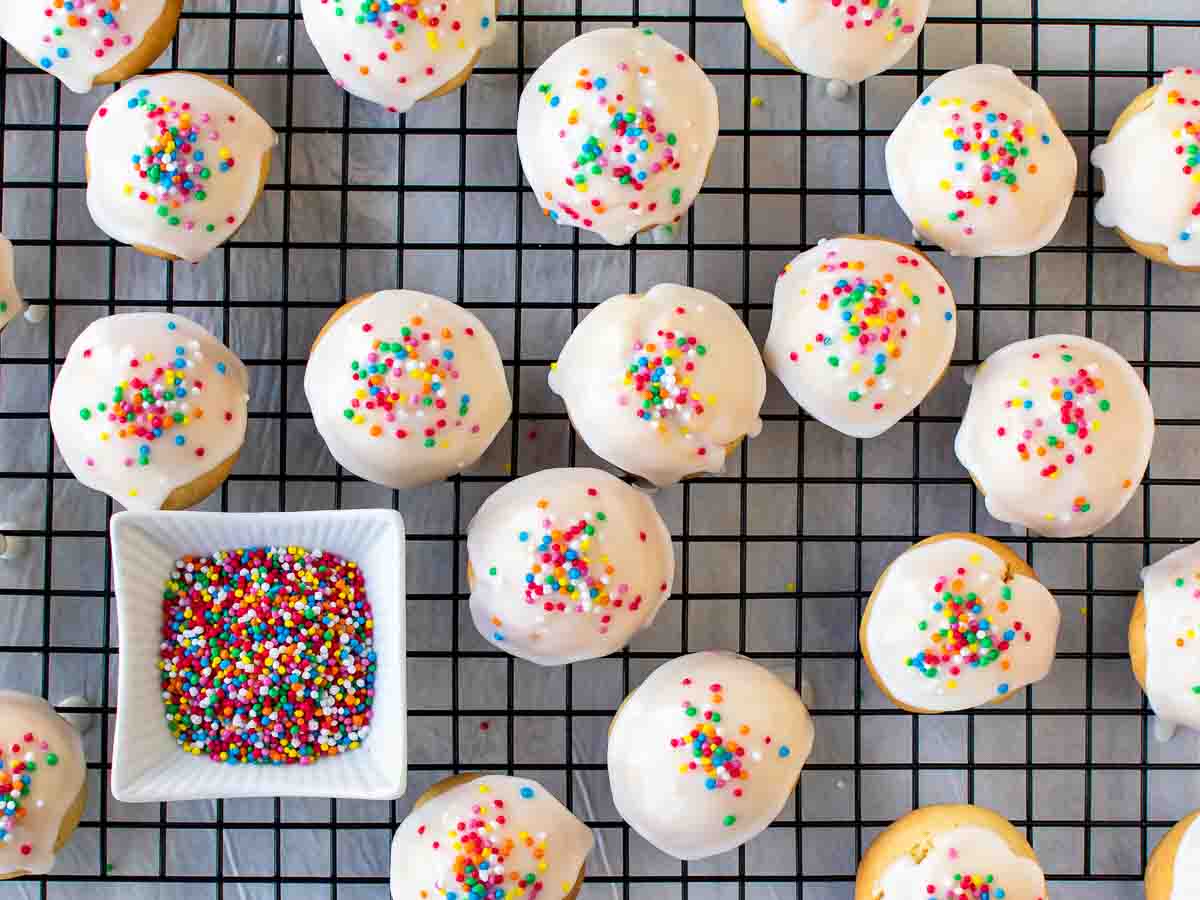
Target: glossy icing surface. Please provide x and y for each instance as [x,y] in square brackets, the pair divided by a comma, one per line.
[1186,870]
[77,41]
[397,52]
[647,382]
[713,734]
[965,863]
[1152,171]
[615,132]
[951,628]
[42,762]
[407,388]
[174,163]
[861,331]
[849,41]
[980,166]
[569,564]
[11,304]
[147,403]
[1172,598]
[493,837]
[1057,434]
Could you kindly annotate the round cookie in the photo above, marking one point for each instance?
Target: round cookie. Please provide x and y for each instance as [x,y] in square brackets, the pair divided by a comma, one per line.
[11,304]
[1057,434]
[406,388]
[150,409]
[84,43]
[42,769]
[175,163]
[844,41]
[951,852]
[567,565]
[980,165]
[1174,867]
[1151,172]
[486,837]
[396,53]
[862,329]
[704,754]
[615,132]
[955,622]
[663,384]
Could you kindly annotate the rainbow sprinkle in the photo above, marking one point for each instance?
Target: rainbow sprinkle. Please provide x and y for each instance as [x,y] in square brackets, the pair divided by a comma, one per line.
[267,655]
[967,886]
[99,20]
[866,13]
[1187,633]
[19,764]
[1186,142]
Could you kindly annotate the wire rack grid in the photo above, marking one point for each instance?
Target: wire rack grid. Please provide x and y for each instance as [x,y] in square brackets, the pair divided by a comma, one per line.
[776,557]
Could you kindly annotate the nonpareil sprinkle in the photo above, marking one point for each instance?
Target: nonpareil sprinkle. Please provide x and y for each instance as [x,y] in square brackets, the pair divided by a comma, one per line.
[267,655]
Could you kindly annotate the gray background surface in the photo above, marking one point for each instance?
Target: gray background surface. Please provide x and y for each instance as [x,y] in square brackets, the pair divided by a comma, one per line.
[1070,760]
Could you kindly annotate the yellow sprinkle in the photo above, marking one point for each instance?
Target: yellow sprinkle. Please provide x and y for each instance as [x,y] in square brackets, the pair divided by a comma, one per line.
[756,101]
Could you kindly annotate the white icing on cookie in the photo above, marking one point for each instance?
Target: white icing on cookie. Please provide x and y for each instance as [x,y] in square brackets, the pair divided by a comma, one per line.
[1151,171]
[968,852]
[11,304]
[401,52]
[662,384]
[951,629]
[79,40]
[569,564]
[849,40]
[38,745]
[615,131]
[705,753]
[181,123]
[509,833]
[1186,871]
[1172,598]
[980,166]
[147,403]
[861,331]
[1057,434]
[407,388]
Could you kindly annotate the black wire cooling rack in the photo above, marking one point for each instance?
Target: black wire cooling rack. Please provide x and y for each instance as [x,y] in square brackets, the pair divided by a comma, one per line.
[793,533]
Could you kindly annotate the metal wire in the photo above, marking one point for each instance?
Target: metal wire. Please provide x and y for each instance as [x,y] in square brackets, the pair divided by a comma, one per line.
[857,828]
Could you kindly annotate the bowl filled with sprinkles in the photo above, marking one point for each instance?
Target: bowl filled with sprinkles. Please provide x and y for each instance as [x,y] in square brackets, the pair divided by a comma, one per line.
[260,655]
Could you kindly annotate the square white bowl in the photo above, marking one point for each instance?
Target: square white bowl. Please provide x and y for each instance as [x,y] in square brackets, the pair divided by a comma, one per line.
[148,763]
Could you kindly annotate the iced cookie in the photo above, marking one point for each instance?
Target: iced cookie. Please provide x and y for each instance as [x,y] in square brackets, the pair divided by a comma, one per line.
[615,131]
[11,304]
[567,565]
[406,388]
[980,165]
[955,622]
[862,329]
[704,754]
[1174,868]
[663,384]
[150,409]
[1057,434]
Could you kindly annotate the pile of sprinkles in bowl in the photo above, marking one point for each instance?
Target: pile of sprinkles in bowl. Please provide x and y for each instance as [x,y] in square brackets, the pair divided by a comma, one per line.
[267,655]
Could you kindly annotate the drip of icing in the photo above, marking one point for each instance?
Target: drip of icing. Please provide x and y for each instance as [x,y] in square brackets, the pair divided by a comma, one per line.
[11,304]
[959,865]
[1172,598]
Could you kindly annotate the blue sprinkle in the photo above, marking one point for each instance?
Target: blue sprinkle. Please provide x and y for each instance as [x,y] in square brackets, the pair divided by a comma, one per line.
[949,315]
[527,793]
[1002,688]
[171,326]
[47,63]
[925,101]
[485,21]
[785,752]
[221,367]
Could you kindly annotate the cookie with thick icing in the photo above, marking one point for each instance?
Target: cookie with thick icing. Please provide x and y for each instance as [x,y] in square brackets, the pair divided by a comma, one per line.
[175,164]
[1173,872]
[704,754]
[397,52]
[862,329]
[11,303]
[487,837]
[663,384]
[567,565]
[42,769]
[150,409]
[1151,169]
[615,132]
[955,622]
[406,388]
[845,40]
[980,165]
[1057,434]
[84,43]
[951,852]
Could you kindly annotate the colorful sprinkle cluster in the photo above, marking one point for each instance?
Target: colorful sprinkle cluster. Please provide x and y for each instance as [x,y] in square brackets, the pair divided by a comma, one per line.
[402,386]
[183,149]
[967,886]
[869,322]
[267,655]
[99,20]
[1187,147]
[1187,633]
[991,153]
[866,13]
[659,381]
[964,629]
[19,764]
[722,761]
